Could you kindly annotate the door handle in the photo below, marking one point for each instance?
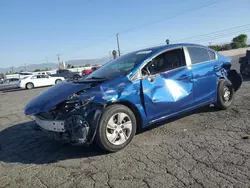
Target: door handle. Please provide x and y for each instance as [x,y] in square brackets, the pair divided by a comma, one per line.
[184,77]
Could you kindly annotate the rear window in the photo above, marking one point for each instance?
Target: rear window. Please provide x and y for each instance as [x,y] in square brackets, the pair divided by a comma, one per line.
[198,55]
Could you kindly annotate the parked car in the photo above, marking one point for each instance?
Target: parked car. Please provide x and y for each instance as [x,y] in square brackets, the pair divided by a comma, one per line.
[10,83]
[135,91]
[245,64]
[88,71]
[67,74]
[30,82]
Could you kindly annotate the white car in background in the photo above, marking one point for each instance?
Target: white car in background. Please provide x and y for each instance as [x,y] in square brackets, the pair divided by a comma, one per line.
[33,81]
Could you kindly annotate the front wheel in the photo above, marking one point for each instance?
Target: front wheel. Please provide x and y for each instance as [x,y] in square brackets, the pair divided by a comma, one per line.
[116,129]
[58,81]
[225,95]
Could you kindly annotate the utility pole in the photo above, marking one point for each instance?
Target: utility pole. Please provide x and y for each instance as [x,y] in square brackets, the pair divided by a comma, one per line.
[118,45]
[47,59]
[59,62]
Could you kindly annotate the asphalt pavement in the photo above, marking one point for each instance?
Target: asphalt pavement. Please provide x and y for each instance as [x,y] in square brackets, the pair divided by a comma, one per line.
[206,148]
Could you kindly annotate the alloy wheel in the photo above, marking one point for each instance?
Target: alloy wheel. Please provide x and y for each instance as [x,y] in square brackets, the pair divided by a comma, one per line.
[226,94]
[119,128]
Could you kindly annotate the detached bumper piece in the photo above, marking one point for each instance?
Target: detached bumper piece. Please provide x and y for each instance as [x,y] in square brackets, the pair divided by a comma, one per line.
[72,130]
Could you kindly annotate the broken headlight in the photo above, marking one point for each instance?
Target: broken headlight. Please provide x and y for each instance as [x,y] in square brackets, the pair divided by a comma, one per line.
[75,104]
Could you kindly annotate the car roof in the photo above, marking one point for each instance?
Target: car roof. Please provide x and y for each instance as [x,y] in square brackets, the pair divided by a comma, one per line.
[169,46]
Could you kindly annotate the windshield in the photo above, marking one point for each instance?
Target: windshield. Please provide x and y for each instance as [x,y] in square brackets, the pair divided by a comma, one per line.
[120,66]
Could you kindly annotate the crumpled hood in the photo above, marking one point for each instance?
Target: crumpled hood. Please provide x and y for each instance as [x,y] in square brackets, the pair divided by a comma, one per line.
[53,96]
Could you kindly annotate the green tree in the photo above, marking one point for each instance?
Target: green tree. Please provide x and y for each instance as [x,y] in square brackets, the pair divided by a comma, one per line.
[226,47]
[69,66]
[37,70]
[239,41]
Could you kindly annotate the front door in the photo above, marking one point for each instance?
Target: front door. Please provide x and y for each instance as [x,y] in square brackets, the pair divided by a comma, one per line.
[168,88]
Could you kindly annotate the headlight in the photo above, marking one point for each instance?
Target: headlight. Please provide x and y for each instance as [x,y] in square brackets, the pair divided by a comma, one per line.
[75,104]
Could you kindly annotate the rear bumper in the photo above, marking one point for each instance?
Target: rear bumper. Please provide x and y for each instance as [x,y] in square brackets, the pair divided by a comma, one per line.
[72,130]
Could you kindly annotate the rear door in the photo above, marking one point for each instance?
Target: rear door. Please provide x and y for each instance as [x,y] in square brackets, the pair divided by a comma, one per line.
[168,88]
[204,66]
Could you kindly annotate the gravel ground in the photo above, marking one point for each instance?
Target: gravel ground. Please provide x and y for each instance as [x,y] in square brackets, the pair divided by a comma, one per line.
[208,148]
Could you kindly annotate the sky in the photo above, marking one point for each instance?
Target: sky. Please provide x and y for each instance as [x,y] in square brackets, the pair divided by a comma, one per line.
[31,31]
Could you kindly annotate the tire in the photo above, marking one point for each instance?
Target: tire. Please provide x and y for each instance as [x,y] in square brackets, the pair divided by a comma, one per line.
[29,85]
[225,94]
[58,81]
[242,72]
[76,77]
[120,133]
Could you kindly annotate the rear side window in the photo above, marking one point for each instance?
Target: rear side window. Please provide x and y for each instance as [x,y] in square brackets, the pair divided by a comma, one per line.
[198,55]
[212,55]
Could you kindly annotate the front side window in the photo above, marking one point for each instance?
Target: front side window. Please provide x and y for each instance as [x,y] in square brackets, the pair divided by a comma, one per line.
[198,54]
[166,61]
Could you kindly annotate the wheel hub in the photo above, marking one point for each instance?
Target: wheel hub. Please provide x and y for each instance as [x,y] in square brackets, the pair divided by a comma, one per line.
[226,94]
[119,128]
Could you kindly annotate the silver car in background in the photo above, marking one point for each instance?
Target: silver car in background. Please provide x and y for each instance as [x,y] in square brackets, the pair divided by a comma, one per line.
[10,83]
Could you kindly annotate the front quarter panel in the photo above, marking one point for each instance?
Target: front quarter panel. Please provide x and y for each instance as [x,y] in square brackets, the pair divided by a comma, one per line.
[120,90]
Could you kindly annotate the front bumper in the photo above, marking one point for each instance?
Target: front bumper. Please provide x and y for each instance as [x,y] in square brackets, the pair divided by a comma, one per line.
[72,130]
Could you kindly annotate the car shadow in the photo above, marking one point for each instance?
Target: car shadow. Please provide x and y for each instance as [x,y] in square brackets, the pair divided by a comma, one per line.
[11,90]
[201,110]
[25,143]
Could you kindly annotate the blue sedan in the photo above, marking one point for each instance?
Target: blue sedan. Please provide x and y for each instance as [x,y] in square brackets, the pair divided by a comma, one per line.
[135,91]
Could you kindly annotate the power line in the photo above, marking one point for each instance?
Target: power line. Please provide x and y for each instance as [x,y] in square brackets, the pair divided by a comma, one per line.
[169,17]
[221,36]
[215,32]
[173,16]
[208,36]
[208,3]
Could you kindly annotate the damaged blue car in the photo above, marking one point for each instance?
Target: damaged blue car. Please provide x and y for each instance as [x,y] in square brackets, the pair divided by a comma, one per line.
[134,91]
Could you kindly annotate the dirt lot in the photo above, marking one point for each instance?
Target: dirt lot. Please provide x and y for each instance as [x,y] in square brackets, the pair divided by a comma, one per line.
[208,148]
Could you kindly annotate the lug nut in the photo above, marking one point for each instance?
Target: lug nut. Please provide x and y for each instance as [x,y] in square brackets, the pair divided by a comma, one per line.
[120,132]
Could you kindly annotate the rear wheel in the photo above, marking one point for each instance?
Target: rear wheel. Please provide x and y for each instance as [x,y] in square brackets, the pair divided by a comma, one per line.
[29,85]
[116,129]
[225,95]
[58,81]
